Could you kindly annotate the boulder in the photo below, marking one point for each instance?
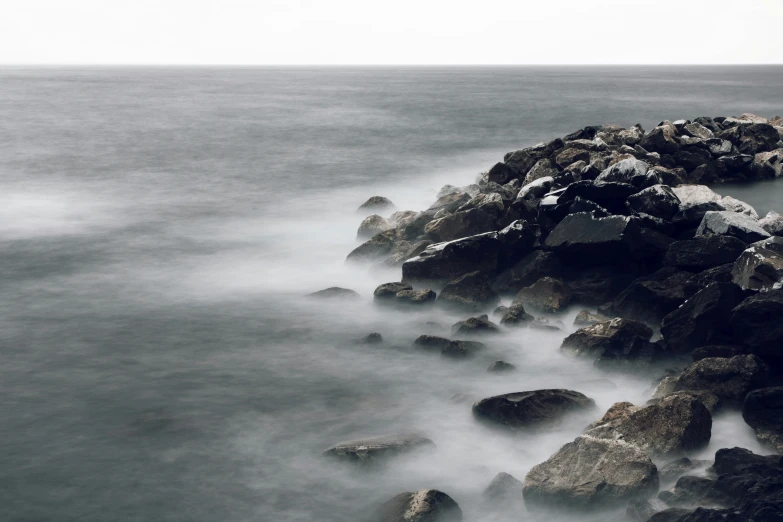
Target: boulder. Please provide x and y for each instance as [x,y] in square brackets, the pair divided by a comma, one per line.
[687,492]
[588,240]
[703,319]
[502,173]
[697,131]
[544,168]
[572,155]
[700,281]
[534,266]
[372,225]
[516,241]
[375,449]
[673,470]
[763,411]
[521,161]
[450,202]
[446,261]
[480,325]
[670,427]
[590,473]
[501,367]
[598,285]
[504,493]
[387,291]
[461,224]
[588,318]
[471,291]
[740,207]
[547,294]
[659,201]
[652,297]
[643,510]
[756,324]
[661,139]
[704,252]
[736,460]
[728,223]
[374,204]
[609,195]
[695,202]
[415,297]
[730,379]
[613,337]
[631,171]
[772,223]
[373,338]
[719,147]
[426,505]
[375,248]
[719,350]
[532,409]
[334,292]
[760,267]
[491,203]
[431,343]
[461,349]
[515,315]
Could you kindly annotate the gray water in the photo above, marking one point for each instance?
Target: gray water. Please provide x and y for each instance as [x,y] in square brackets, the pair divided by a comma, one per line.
[159,227]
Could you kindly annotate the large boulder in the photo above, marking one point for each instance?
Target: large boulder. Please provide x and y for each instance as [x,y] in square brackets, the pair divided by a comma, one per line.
[375,248]
[446,261]
[736,460]
[588,240]
[462,224]
[662,139]
[502,173]
[528,270]
[704,252]
[372,225]
[659,201]
[471,291]
[547,294]
[728,223]
[652,297]
[426,505]
[544,168]
[671,427]
[700,281]
[374,204]
[695,202]
[532,409]
[768,165]
[730,379]
[703,319]
[572,155]
[760,267]
[450,202]
[763,411]
[772,223]
[756,324]
[614,337]
[590,473]
[375,449]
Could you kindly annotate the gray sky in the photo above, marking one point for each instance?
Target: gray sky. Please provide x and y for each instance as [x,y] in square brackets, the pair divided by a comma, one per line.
[399,32]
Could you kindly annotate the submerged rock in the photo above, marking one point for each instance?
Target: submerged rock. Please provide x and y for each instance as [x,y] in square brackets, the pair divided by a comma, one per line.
[426,505]
[376,203]
[501,367]
[389,290]
[588,318]
[673,470]
[334,292]
[461,349]
[532,409]
[375,449]
[504,493]
[515,315]
[616,336]
[480,325]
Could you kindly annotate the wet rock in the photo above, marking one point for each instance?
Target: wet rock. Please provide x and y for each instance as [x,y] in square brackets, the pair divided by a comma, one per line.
[736,460]
[673,470]
[461,349]
[763,411]
[334,292]
[471,291]
[756,324]
[598,285]
[450,202]
[544,168]
[740,207]
[461,224]
[672,426]
[703,319]
[372,225]
[695,202]
[616,336]
[534,266]
[515,315]
[760,267]
[687,492]
[587,318]
[631,171]
[532,409]
[480,325]
[415,297]
[611,196]
[376,203]
[375,248]
[772,223]
[431,343]
[389,290]
[426,505]
[700,281]
[374,449]
[590,473]
[652,297]
[592,241]
[502,173]
[730,379]
[501,367]
[704,252]
[547,294]
[697,131]
[491,203]
[642,510]
[548,325]
[446,261]
[721,350]
[728,223]
[662,139]
[572,155]
[516,240]
[659,201]
[520,161]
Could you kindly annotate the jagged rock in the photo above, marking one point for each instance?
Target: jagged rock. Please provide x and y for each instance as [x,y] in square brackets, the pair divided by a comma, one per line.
[721,350]
[756,324]
[415,297]
[700,281]
[709,399]
[504,494]
[587,318]
[377,247]
[515,315]
[719,147]
[532,409]
[688,491]
[590,473]
[760,267]
[501,367]
[673,470]
[502,173]
[763,411]
[730,379]
[665,387]
[520,161]
[672,426]
[735,460]
[616,336]
[450,202]
[471,291]
[631,171]
[598,285]
[376,203]
[461,224]
[490,203]
[704,252]
[426,505]
[591,241]
[546,294]
[652,297]
[609,195]
[375,449]
[548,325]
[740,207]
[703,319]
[728,223]
[695,202]
[544,168]
[431,343]
[534,266]
[659,201]
[662,139]
[334,292]
[772,223]
[389,290]
[571,155]
[446,261]
[697,131]
[516,241]
[480,325]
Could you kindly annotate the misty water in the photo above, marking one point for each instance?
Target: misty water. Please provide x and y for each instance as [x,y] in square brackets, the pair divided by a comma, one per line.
[159,228]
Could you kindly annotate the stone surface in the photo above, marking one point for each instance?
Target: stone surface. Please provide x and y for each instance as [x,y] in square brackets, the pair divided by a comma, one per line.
[527,271]
[756,323]
[547,294]
[728,223]
[334,292]
[501,367]
[772,223]
[415,297]
[673,470]
[375,248]
[588,318]
[532,409]
[659,201]
[760,267]
[374,449]
[704,252]
[376,203]
[389,290]
[763,411]
[730,379]
[461,349]
[589,240]
[652,297]
[469,292]
[446,261]
[613,336]
[480,325]
[515,315]
[426,505]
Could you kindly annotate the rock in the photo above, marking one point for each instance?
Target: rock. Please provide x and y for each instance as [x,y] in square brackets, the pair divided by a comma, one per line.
[598,285]
[375,449]
[446,261]
[504,493]
[652,297]
[515,315]
[377,247]
[534,266]
[687,492]
[520,161]
[431,343]
[491,203]
[544,168]
[703,319]
[388,291]
[727,223]
[501,367]
[450,202]
[611,196]
[760,267]
[532,409]
[547,294]
[659,201]
[672,426]
[730,379]
[631,171]
[415,297]
[666,387]
[372,225]
[695,202]
[590,473]
[709,399]
[373,338]
[616,336]
[719,147]
[426,505]
[502,173]
[471,291]
[697,131]
[740,207]
[461,349]
[700,281]
[763,411]
[587,318]
[641,510]
[376,203]
[571,155]
[517,240]
[735,460]
[475,326]
[549,325]
[704,252]
[334,292]
[772,223]
[726,351]
[592,241]
[661,139]
[462,224]
[673,470]
[756,324]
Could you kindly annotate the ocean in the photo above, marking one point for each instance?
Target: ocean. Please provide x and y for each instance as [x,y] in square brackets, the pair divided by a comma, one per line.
[159,228]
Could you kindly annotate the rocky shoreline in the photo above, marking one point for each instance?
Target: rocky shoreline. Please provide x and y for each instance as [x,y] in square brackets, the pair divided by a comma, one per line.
[621,222]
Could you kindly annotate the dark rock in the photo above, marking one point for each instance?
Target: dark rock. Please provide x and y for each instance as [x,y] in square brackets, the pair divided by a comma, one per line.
[609,195]
[652,297]
[372,225]
[767,165]
[598,285]
[515,315]
[502,173]
[641,510]
[727,223]
[334,292]
[756,324]
[373,338]
[531,268]
[415,297]
[695,202]
[703,319]
[760,267]
[517,240]
[501,367]
[659,201]
[704,252]
[376,203]
[587,318]
[546,294]
[673,470]
[426,505]
[475,326]
[461,349]
[735,460]
[592,241]
[730,379]
[763,411]
[727,351]
[431,343]
[544,168]
[772,223]
[532,409]
[661,139]
[471,291]
[389,290]
[377,247]
[692,157]
[520,161]
[616,336]
[375,449]
[450,202]
[572,155]
[585,205]
[590,473]
[687,492]
[447,261]
[461,224]
[700,281]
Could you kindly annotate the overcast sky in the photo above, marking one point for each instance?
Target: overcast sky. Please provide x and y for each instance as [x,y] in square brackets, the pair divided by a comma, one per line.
[398,32]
